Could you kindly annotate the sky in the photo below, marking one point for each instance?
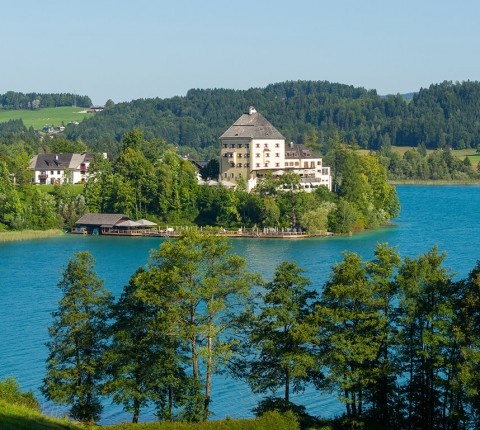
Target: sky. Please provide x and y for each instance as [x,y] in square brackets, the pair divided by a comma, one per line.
[125,50]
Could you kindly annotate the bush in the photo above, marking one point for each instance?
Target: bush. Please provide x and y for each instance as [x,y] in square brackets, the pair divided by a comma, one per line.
[10,392]
[280,405]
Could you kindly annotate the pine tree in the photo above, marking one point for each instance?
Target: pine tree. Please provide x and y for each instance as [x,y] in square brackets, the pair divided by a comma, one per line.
[78,339]
[279,353]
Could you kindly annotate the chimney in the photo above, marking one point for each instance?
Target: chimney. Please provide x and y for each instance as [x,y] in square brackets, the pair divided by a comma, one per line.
[252,110]
[56,157]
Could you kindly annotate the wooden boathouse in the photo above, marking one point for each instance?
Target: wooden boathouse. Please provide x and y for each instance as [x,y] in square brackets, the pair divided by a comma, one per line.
[98,223]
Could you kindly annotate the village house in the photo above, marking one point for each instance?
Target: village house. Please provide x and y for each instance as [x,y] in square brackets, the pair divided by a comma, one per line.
[51,168]
[252,148]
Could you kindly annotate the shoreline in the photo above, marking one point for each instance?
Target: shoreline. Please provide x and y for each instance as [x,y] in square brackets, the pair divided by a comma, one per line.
[16,236]
[434,182]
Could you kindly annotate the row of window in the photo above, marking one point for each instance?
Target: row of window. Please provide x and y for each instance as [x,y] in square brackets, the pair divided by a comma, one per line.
[238,145]
[240,165]
[247,145]
[239,155]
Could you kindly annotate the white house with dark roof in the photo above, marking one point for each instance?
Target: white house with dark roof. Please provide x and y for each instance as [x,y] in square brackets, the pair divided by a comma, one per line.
[252,146]
[51,168]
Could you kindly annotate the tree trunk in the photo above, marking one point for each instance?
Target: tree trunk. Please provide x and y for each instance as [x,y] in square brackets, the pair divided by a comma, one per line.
[170,403]
[208,380]
[136,411]
[287,383]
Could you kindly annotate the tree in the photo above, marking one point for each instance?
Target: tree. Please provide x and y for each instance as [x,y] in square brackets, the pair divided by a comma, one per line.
[144,363]
[78,339]
[201,288]
[9,201]
[349,325]
[278,353]
[316,220]
[425,323]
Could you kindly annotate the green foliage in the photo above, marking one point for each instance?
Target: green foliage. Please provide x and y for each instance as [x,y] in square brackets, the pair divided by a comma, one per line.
[11,393]
[277,404]
[200,288]
[13,100]
[144,363]
[78,339]
[268,421]
[277,353]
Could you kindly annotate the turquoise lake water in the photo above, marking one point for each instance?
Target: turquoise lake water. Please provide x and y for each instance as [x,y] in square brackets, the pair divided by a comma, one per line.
[447,216]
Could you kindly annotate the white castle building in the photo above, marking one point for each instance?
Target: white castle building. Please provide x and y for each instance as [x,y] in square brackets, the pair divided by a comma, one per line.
[252,146]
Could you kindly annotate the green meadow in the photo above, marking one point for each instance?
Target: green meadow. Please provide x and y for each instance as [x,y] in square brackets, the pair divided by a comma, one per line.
[46,116]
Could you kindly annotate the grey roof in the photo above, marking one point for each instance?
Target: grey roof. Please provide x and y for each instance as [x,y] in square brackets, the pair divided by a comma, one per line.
[59,161]
[252,126]
[101,219]
[145,222]
[299,151]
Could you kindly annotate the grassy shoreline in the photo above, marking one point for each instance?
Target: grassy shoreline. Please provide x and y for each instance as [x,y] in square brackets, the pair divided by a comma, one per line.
[434,182]
[14,236]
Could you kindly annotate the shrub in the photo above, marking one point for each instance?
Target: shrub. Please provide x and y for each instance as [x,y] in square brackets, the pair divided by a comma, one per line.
[10,392]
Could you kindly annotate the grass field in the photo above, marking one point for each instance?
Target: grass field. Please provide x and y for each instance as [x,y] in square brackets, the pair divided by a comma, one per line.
[471,153]
[47,116]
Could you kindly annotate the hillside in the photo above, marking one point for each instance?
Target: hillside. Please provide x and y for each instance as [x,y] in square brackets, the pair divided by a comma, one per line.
[15,417]
[445,114]
[39,118]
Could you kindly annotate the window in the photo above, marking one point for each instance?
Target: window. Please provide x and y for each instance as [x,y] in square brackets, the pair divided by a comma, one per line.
[257,145]
[277,154]
[266,165]
[224,175]
[239,175]
[232,164]
[58,172]
[265,145]
[225,145]
[257,155]
[319,163]
[232,145]
[277,164]
[239,145]
[239,165]
[267,154]
[277,145]
[239,155]
[312,164]
[258,164]
[247,164]
[232,175]
[296,163]
[247,155]
[247,145]
[51,172]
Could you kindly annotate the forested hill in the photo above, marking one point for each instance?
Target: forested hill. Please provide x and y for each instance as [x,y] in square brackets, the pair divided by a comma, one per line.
[446,114]
[13,100]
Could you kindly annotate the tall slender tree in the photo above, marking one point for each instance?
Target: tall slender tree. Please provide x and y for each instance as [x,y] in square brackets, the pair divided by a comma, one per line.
[278,351]
[78,339]
[201,287]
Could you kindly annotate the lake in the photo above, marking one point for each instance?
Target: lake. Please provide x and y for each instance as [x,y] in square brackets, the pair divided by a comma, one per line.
[446,216]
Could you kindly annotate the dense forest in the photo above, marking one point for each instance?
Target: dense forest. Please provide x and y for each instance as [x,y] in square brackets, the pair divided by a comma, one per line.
[395,339]
[14,100]
[443,115]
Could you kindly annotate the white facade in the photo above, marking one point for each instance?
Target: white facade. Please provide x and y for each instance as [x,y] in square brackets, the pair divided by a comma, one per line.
[251,147]
[52,168]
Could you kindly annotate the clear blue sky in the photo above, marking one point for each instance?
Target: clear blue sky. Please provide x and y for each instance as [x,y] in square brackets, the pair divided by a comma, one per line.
[125,49]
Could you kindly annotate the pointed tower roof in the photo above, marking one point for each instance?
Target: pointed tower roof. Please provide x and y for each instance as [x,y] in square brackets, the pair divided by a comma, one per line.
[252,125]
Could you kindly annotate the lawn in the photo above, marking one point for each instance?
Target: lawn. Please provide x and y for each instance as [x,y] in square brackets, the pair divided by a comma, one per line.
[47,116]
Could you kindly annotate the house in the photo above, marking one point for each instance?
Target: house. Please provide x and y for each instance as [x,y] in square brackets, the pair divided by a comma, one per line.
[51,168]
[96,223]
[251,148]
